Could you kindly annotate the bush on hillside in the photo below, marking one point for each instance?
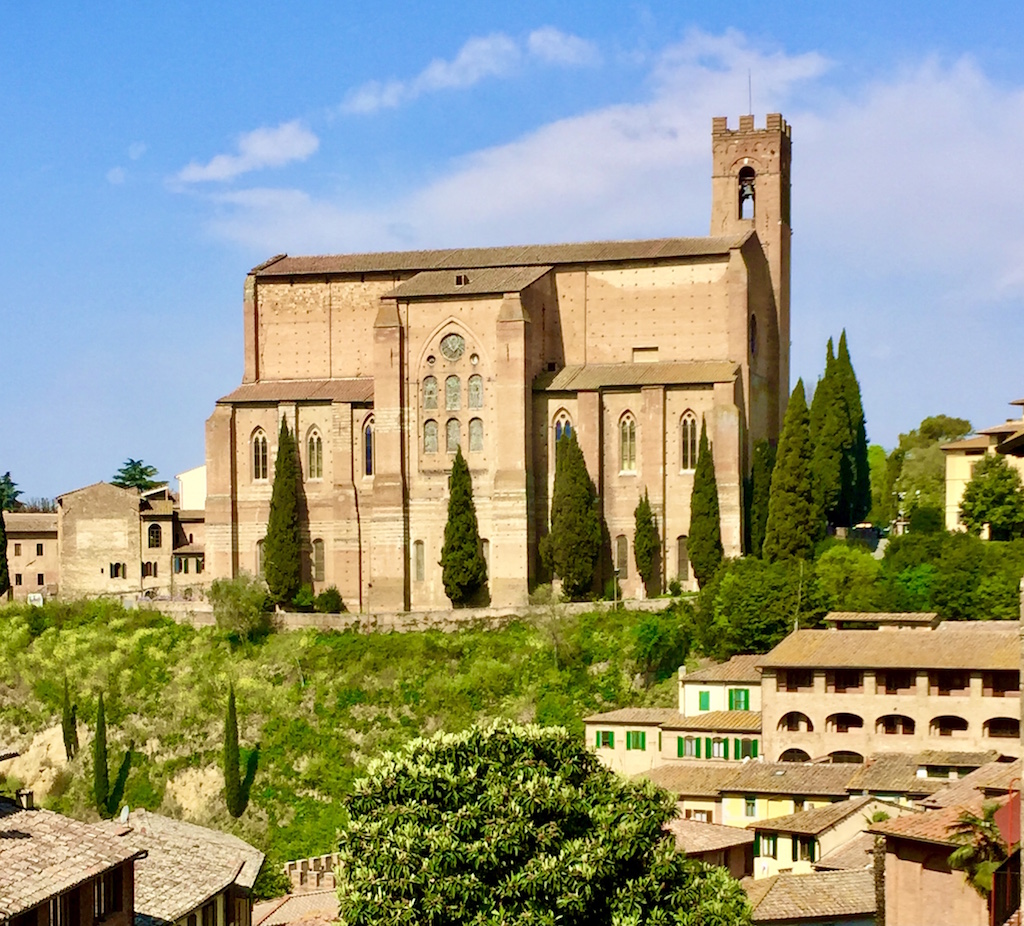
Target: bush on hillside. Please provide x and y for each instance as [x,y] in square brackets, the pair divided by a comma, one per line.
[241,606]
[329,601]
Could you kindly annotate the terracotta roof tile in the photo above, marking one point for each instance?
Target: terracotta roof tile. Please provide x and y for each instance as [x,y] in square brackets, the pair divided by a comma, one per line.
[956,758]
[893,773]
[816,820]
[882,617]
[942,648]
[738,669]
[991,779]
[593,376]
[312,908]
[854,854]
[695,778]
[354,390]
[932,826]
[34,522]
[735,721]
[488,281]
[650,716]
[820,894]
[792,778]
[692,836]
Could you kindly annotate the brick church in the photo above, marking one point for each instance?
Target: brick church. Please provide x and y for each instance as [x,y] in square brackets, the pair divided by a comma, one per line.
[383,364]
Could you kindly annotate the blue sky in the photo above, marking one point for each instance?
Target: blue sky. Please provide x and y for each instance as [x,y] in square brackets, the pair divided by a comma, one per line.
[151,154]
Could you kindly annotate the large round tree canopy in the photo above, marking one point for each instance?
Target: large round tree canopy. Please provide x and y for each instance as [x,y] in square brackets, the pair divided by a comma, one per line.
[518,825]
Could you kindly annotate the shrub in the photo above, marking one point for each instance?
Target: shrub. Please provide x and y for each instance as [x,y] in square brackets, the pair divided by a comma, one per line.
[241,606]
[329,601]
[303,600]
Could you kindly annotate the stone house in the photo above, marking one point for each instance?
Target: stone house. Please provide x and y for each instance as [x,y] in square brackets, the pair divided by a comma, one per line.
[33,562]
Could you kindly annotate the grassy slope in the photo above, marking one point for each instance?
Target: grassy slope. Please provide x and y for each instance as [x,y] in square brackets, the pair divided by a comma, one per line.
[320,705]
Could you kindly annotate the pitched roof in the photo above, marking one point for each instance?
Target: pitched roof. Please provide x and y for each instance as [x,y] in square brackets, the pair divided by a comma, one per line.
[692,836]
[854,854]
[816,820]
[44,853]
[882,617]
[979,442]
[356,389]
[185,866]
[792,778]
[653,716]
[510,256]
[695,778]
[942,648]
[991,779]
[312,908]
[932,826]
[593,376]
[957,759]
[737,669]
[30,522]
[487,281]
[819,894]
[893,773]
[736,721]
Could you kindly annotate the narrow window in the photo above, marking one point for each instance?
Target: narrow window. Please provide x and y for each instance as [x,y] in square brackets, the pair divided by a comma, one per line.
[259,455]
[682,560]
[184,565]
[17,578]
[476,391]
[39,549]
[753,335]
[259,559]
[155,536]
[200,565]
[147,570]
[627,444]
[605,739]
[563,426]
[418,560]
[368,448]
[750,806]
[688,439]
[430,393]
[155,570]
[622,556]
[476,435]
[453,435]
[430,437]
[315,456]
[318,561]
[704,699]
[17,549]
[746,191]
[485,552]
[452,394]
[39,578]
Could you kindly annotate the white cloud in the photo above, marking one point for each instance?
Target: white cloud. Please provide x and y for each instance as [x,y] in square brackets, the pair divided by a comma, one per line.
[481,57]
[264,147]
[115,176]
[137,149]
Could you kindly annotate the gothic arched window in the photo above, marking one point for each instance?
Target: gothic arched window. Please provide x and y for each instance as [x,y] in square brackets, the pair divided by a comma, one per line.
[627,444]
[318,560]
[430,393]
[453,435]
[746,192]
[476,435]
[563,425]
[430,436]
[259,454]
[368,448]
[688,441]
[476,391]
[155,536]
[452,394]
[314,456]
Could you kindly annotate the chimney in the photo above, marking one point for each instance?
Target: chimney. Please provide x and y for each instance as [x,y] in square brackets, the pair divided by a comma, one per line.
[25,799]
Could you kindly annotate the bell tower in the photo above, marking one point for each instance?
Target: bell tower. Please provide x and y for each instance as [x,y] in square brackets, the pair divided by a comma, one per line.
[750,192]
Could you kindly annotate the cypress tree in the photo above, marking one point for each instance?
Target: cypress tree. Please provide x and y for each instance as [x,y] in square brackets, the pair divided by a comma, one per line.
[232,775]
[857,472]
[5,576]
[704,543]
[282,547]
[829,425]
[69,724]
[574,541]
[761,484]
[646,545]
[100,775]
[463,569]
[795,522]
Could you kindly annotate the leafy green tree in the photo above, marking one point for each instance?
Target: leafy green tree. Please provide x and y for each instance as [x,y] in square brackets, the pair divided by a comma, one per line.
[463,568]
[518,825]
[9,493]
[100,773]
[995,497]
[918,467]
[282,546]
[235,797]
[661,641]
[926,519]
[704,542]
[831,439]
[134,474]
[647,546]
[981,849]
[848,579]
[69,723]
[795,522]
[760,490]
[241,606]
[572,545]
[877,476]
[856,488]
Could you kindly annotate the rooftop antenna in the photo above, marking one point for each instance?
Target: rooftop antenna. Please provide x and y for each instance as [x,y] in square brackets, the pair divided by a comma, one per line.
[750,95]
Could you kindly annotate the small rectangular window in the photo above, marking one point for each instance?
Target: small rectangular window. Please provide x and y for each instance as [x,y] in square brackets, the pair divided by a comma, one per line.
[184,565]
[605,739]
[39,549]
[739,699]
[718,747]
[17,549]
[636,739]
[750,806]
[17,578]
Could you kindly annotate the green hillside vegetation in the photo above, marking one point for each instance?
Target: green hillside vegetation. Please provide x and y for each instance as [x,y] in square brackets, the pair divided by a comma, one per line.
[318,705]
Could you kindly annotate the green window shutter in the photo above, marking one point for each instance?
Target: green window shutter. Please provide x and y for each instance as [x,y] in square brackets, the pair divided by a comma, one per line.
[707,746]
[814,850]
[757,844]
[753,750]
[705,700]
[597,742]
[611,739]
[732,699]
[629,741]
[643,740]
[680,747]
[696,741]
[659,741]
[793,841]
[746,699]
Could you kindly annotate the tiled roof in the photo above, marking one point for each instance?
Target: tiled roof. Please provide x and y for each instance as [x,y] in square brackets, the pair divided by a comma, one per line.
[30,522]
[881,617]
[893,773]
[696,778]
[992,779]
[592,376]
[854,855]
[513,256]
[956,759]
[43,853]
[185,866]
[483,282]
[309,909]
[816,820]
[931,826]
[942,648]
[654,716]
[1009,426]
[734,721]
[692,836]
[968,443]
[738,669]
[357,389]
[820,894]
[792,778]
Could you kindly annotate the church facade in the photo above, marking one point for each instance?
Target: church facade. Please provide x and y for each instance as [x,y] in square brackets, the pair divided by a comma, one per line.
[384,364]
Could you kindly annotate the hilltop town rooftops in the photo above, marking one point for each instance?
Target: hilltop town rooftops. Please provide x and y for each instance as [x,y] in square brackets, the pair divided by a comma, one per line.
[356,389]
[853,855]
[818,895]
[30,522]
[693,779]
[44,853]
[894,773]
[932,826]
[792,778]
[737,721]
[737,669]
[638,715]
[816,820]
[991,780]
[942,648]
[694,836]
[652,249]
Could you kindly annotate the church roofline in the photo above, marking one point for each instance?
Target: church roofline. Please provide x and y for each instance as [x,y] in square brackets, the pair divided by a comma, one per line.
[513,256]
[355,391]
[593,376]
